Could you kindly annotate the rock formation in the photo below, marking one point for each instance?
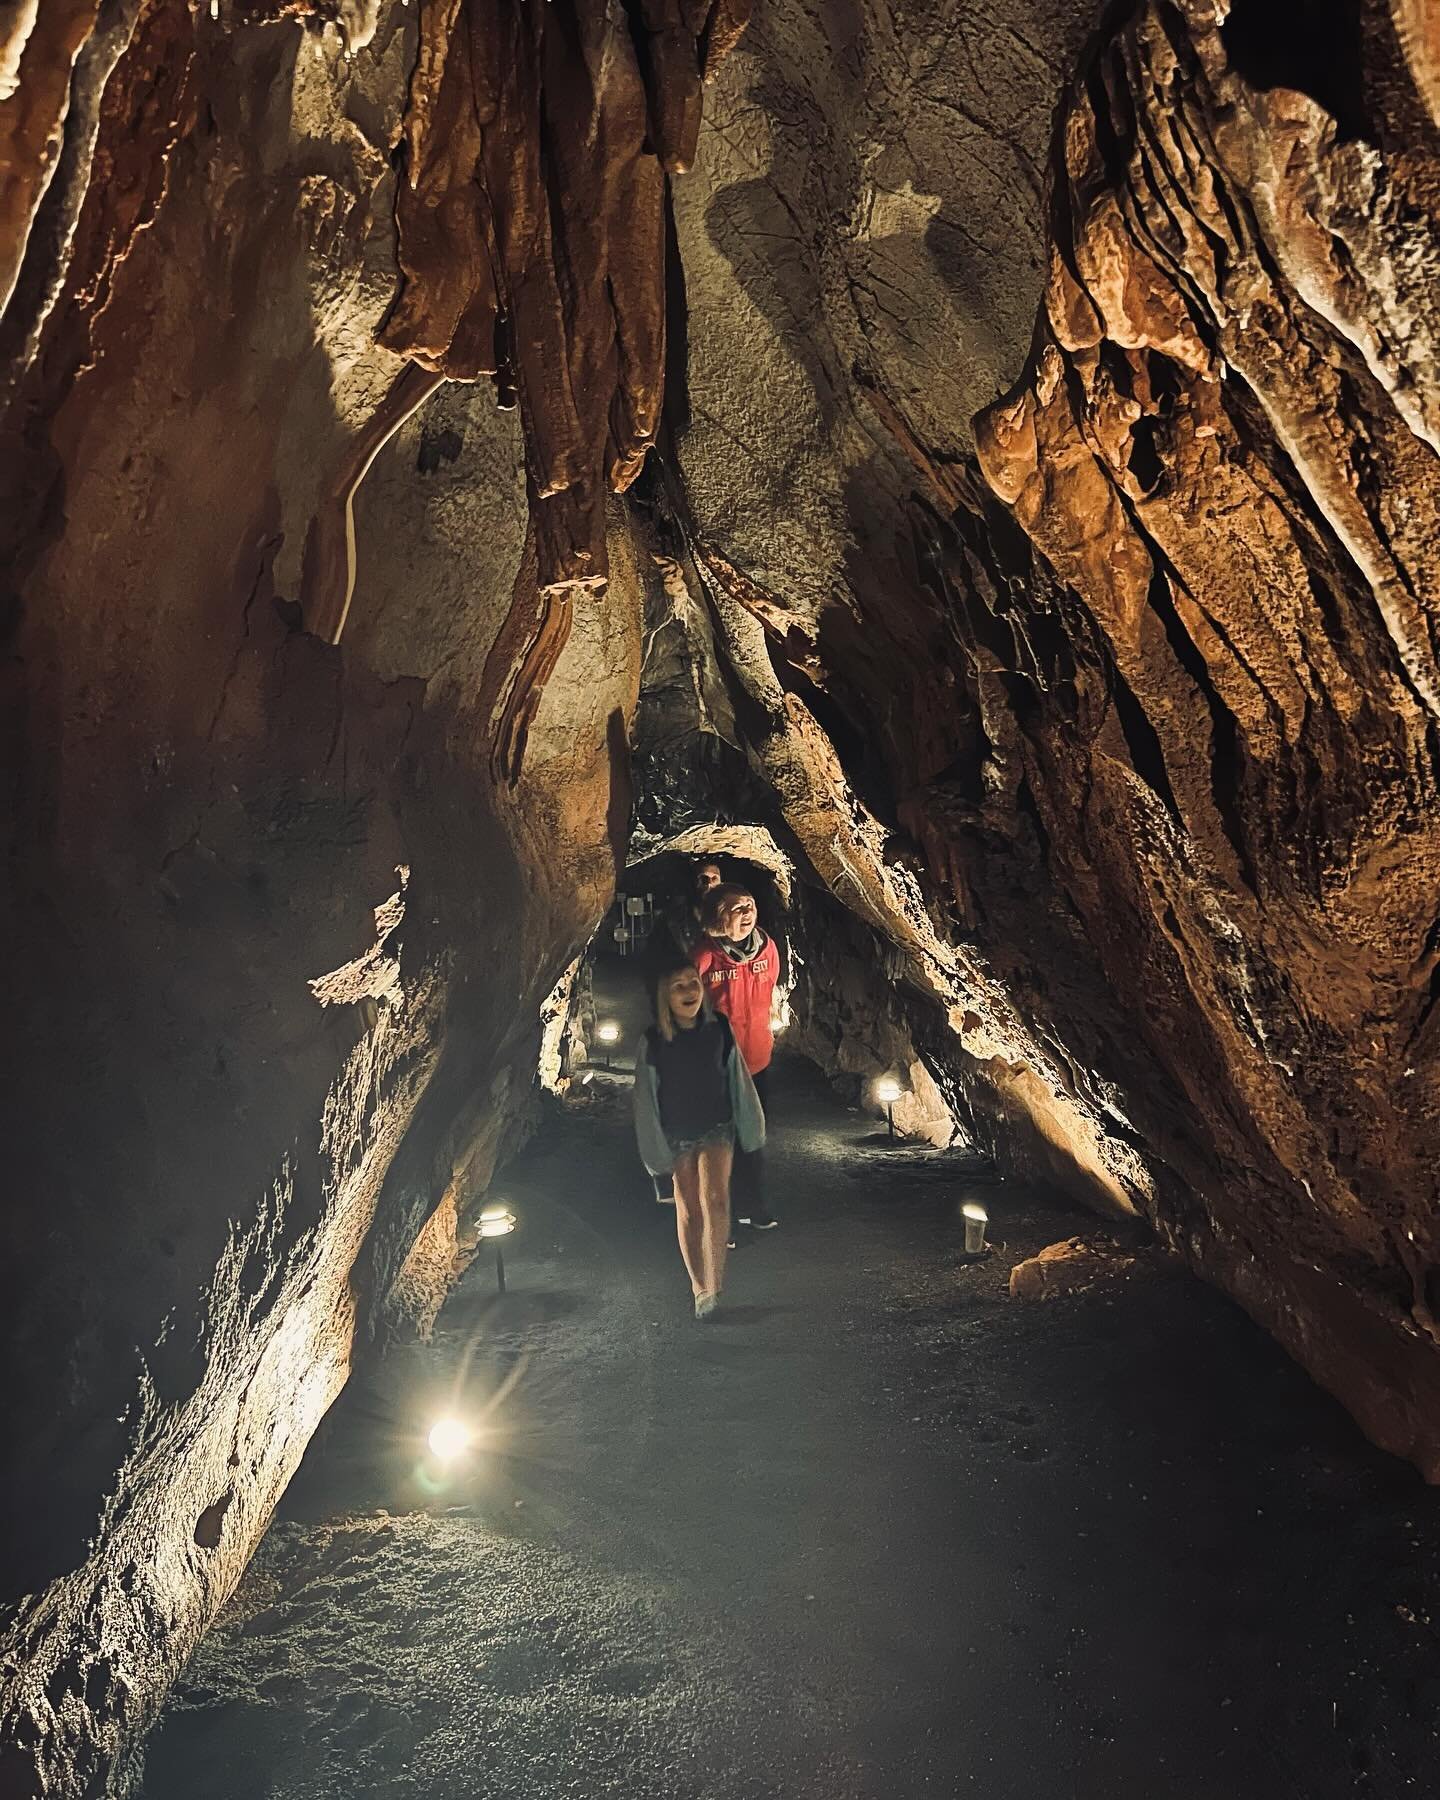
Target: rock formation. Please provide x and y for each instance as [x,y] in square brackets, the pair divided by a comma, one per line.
[1101,732]
[1146,689]
[281,941]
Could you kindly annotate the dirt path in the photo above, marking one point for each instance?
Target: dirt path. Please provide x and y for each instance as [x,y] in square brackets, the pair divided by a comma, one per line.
[879,1532]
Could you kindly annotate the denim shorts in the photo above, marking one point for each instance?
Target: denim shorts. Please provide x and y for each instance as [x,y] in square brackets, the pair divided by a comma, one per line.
[719,1134]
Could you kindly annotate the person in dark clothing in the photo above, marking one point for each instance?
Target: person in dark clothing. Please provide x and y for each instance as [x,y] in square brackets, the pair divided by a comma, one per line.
[694,1102]
[683,919]
[740,966]
[683,931]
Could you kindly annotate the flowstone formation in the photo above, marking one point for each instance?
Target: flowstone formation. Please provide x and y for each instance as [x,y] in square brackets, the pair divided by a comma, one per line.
[1124,728]
[305,810]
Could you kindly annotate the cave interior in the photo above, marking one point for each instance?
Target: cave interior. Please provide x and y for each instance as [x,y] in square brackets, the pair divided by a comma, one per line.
[972,472]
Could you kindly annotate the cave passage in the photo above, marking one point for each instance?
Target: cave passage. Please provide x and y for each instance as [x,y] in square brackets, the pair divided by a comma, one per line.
[882,1530]
[973,469]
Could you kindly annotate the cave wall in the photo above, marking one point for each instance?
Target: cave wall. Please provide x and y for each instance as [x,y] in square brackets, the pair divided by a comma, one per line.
[1124,726]
[281,939]
[1225,451]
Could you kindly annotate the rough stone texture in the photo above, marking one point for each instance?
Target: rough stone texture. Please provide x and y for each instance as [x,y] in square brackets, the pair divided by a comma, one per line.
[1066,1268]
[532,229]
[1225,451]
[1126,735]
[256,1075]
[851,1014]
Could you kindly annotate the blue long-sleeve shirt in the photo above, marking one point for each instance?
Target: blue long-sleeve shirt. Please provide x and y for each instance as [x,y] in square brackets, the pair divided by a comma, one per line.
[746,1114]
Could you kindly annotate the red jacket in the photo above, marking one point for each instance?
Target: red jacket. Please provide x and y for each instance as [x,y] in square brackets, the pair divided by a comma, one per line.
[743,992]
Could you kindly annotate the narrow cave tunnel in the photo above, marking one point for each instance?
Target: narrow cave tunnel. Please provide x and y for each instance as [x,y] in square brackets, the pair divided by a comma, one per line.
[585,582]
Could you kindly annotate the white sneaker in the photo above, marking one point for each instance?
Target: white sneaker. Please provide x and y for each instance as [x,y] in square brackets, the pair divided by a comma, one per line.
[705,1305]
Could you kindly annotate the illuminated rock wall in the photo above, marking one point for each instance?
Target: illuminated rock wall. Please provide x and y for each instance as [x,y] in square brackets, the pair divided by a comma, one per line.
[243,1107]
[1134,711]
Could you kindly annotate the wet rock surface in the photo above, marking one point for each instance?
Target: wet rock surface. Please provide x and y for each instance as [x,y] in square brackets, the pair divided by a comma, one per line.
[881,1530]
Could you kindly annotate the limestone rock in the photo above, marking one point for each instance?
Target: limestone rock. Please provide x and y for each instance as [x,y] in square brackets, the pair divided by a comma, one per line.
[286,942]
[1066,1268]
[1146,692]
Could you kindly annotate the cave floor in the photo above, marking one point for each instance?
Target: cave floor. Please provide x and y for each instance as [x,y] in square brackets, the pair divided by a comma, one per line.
[878,1531]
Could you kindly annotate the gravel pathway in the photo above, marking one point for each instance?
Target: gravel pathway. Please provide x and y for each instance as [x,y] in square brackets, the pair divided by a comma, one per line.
[879,1531]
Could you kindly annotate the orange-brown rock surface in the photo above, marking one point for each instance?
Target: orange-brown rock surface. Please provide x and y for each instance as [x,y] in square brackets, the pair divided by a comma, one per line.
[1147,691]
[532,229]
[1225,453]
[285,940]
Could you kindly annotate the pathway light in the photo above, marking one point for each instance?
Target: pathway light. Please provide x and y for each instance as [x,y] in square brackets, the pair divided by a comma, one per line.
[887,1091]
[448,1439]
[608,1033]
[976,1218]
[498,1222]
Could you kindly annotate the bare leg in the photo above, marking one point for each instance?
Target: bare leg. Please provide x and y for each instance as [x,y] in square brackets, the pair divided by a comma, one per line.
[714,1173]
[689,1220]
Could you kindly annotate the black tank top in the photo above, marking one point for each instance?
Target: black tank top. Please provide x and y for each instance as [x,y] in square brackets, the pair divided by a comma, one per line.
[691,1074]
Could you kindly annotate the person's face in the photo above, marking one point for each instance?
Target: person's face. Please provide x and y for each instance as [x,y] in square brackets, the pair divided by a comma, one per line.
[707,876]
[738,920]
[685,993]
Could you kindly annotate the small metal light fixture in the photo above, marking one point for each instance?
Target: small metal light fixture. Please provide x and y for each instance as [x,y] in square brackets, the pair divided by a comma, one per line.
[976,1219]
[887,1092]
[498,1222]
[448,1439]
[609,1035]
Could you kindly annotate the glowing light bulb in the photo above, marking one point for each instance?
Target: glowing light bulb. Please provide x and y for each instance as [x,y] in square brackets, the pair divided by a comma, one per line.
[608,1033]
[448,1439]
[497,1221]
[976,1218]
[888,1090]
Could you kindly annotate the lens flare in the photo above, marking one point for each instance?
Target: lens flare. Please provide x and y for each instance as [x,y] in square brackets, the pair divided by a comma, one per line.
[448,1439]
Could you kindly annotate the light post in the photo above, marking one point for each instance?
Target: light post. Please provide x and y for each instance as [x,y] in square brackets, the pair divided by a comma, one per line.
[976,1218]
[609,1035]
[888,1091]
[498,1222]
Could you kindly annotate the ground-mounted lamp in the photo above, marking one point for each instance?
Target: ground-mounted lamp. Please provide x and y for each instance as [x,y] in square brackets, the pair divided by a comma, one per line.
[498,1222]
[609,1036]
[448,1439]
[887,1091]
[976,1219]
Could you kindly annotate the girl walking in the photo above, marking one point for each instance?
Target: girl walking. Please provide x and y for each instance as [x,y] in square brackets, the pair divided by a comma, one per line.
[694,1101]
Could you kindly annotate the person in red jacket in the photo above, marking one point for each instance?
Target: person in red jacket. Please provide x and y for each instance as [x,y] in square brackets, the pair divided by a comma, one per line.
[740,966]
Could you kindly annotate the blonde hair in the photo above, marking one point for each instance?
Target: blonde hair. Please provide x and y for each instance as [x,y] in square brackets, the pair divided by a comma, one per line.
[664,1018]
